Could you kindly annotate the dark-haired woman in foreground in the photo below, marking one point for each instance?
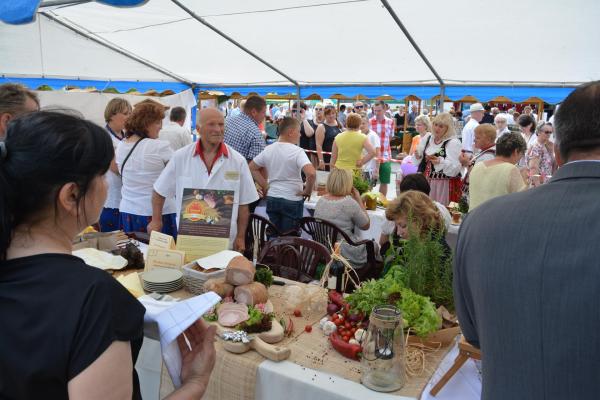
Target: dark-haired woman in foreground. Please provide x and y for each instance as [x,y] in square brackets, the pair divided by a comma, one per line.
[68,330]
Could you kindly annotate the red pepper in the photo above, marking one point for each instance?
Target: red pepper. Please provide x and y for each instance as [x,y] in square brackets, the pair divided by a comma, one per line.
[352,351]
[337,298]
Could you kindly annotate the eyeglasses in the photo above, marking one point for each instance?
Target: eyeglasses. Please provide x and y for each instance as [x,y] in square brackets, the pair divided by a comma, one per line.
[330,107]
[318,109]
[547,132]
[358,107]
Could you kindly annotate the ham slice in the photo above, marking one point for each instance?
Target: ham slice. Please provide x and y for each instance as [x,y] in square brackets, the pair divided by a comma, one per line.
[232,314]
[251,294]
[239,271]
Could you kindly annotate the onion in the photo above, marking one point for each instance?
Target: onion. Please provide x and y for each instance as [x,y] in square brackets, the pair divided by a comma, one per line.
[355,317]
[332,309]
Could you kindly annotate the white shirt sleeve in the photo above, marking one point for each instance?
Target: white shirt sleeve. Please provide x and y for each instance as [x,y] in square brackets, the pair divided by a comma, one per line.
[467,137]
[164,150]
[166,185]
[248,192]
[301,159]
[187,138]
[445,214]
[260,158]
[450,164]
[421,148]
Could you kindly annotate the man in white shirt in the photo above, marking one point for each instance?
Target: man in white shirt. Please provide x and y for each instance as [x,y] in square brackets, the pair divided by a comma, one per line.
[284,162]
[468,133]
[207,164]
[174,132]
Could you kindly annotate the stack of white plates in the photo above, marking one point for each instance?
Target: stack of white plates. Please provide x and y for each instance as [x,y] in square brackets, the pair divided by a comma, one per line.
[162,280]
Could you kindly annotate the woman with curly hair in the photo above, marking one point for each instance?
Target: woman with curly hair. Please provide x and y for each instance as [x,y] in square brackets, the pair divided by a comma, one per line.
[141,158]
[415,214]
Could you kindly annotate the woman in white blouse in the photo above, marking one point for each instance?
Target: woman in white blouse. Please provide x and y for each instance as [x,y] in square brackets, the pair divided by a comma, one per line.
[141,158]
[437,155]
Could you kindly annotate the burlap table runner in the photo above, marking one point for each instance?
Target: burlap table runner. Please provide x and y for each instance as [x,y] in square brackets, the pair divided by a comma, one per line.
[234,375]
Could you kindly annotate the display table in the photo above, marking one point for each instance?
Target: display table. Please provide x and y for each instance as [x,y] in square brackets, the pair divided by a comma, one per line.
[313,370]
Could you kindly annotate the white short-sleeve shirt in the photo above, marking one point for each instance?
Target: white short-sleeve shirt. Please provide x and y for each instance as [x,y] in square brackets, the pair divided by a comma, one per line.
[141,170]
[284,163]
[468,135]
[113,198]
[229,172]
[375,141]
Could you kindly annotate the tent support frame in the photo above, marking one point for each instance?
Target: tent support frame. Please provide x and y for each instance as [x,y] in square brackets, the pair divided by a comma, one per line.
[116,49]
[233,41]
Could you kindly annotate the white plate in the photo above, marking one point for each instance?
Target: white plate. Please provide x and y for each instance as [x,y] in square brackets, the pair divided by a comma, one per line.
[162,276]
[100,259]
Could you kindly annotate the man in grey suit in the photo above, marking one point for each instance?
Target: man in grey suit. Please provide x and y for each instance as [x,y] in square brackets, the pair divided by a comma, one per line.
[527,272]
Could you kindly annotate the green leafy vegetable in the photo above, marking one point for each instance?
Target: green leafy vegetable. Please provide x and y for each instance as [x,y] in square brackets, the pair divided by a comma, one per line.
[359,183]
[264,276]
[257,321]
[418,311]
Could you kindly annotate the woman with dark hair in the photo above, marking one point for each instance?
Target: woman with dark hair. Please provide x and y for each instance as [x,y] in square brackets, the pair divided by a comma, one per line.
[325,135]
[499,176]
[141,158]
[115,114]
[70,331]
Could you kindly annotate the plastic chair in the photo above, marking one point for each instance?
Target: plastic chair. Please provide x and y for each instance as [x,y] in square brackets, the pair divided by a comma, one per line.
[259,229]
[327,233]
[294,258]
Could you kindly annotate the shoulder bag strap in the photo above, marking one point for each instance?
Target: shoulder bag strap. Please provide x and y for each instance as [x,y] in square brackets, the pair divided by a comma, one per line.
[129,155]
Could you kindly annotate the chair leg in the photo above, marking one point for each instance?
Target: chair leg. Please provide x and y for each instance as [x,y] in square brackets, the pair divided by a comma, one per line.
[458,362]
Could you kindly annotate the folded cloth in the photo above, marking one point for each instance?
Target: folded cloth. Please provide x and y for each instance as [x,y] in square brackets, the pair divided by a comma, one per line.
[172,318]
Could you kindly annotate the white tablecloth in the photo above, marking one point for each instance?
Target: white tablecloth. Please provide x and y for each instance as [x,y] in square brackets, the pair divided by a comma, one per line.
[289,381]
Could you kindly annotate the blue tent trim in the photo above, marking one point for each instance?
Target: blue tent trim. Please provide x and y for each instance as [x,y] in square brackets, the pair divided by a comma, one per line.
[517,94]
[18,12]
[121,86]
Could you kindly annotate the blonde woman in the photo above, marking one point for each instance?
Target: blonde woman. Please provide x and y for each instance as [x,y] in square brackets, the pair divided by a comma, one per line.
[348,146]
[115,115]
[437,155]
[423,127]
[343,207]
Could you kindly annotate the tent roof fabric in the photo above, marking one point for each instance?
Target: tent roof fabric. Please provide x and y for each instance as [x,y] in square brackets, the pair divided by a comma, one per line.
[347,47]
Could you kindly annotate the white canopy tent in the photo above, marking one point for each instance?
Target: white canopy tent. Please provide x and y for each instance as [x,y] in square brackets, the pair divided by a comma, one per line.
[312,44]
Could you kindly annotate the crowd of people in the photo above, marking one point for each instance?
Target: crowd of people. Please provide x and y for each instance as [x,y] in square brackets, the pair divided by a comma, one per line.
[60,173]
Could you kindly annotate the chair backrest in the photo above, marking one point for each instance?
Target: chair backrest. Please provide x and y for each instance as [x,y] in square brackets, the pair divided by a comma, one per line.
[325,232]
[259,229]
[294,258]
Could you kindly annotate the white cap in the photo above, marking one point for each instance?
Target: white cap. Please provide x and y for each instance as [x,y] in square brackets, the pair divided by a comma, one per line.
[476,107]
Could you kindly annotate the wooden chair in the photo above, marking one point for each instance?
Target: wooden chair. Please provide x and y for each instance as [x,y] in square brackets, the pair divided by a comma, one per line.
[261,229]
[327,233]
[465,351]
[294,258]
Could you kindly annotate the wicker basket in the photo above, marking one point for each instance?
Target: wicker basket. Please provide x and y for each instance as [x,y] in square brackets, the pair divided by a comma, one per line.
[194,280]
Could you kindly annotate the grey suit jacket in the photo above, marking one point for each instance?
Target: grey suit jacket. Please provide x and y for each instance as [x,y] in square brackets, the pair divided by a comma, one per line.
[527,288]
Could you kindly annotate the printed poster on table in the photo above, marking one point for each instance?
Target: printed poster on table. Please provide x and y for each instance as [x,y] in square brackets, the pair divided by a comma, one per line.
[204,222]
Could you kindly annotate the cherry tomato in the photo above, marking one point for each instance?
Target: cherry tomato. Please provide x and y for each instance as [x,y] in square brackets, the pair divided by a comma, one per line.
[346,338]
[297,312]
[348,325]
[308,328]
[337,322]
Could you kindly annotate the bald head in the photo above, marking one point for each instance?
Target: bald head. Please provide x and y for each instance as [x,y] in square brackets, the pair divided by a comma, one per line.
[210,125]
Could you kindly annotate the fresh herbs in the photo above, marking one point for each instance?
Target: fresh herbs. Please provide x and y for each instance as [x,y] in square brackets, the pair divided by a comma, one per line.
[359,183]
[264,276]
[423,263]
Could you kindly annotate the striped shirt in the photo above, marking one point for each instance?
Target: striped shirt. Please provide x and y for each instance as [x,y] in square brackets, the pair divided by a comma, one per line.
[385,131]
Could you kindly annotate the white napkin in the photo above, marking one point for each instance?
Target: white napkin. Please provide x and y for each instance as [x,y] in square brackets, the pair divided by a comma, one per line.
[172,318]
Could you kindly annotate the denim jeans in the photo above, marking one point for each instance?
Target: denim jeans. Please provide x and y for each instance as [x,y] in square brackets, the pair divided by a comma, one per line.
[285,214]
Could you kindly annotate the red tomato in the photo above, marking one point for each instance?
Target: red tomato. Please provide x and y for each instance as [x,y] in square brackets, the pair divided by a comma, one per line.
[346,338]
[308,328]
[348,325]
[297,312]
[337,322]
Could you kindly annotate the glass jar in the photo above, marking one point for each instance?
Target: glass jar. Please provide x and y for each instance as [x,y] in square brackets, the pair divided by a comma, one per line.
[382,364]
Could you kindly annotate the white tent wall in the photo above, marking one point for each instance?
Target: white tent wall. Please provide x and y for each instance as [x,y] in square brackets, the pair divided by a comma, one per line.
[343,42]
[164,34]
[45,48]
[92,105]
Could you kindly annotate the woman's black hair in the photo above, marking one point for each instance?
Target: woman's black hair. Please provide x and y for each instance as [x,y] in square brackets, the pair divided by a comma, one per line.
[44,151]
[416,182]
